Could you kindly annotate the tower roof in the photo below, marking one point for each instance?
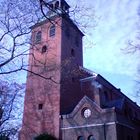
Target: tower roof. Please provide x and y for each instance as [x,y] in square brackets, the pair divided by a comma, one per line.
[57,7]
[62,2]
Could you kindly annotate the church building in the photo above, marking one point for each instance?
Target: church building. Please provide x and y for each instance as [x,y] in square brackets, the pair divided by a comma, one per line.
[65,99]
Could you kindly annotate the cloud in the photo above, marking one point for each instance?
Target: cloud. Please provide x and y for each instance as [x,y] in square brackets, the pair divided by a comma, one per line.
[116,25]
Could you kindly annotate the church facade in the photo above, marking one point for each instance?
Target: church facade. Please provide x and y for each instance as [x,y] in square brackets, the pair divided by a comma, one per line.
[65,99]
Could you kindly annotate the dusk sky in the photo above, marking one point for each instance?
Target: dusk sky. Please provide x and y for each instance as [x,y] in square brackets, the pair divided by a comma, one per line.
[117,22]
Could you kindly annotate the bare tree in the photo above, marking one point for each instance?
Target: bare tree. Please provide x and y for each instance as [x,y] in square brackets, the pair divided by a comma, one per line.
[10,96]
[16,18]
[133,48]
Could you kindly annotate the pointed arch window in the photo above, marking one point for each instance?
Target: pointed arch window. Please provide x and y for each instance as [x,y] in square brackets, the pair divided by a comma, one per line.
[38,37]
[52,31]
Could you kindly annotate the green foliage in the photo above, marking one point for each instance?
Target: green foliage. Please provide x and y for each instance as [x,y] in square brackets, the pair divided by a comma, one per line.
[45,136]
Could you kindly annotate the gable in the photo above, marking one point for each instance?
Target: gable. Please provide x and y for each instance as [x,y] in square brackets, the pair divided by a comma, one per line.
[86,113]
[84,103]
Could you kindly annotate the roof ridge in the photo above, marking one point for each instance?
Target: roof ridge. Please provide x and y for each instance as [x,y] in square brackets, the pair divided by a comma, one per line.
[88,71]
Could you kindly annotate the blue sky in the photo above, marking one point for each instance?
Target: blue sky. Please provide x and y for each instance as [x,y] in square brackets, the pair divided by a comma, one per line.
[117,22]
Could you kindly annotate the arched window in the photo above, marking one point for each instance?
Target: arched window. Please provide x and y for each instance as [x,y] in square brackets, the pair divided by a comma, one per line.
[44,49]
[57,5]
[52,31]
[38,37]
[91,137]
[51,6]
[80,138]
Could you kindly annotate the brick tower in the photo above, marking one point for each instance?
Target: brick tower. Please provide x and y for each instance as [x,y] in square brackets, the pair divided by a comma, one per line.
[55,56]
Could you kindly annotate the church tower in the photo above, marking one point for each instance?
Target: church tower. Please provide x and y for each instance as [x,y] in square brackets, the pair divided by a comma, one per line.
[55,57]
[65,99]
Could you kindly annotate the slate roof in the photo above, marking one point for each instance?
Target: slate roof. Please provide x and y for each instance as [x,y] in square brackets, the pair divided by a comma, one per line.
[119,103]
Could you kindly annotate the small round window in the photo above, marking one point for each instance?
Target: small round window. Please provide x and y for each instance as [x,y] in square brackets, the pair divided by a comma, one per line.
[86,112]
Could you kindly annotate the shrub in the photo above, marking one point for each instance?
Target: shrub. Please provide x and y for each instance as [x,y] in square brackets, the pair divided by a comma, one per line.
[45,136]
[3,137]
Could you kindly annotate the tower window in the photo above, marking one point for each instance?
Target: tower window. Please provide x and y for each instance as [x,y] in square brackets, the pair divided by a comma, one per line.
[57,5]
[38,37]
[52,31]
[40,106]
[51,6]
[72,52]
[44,49]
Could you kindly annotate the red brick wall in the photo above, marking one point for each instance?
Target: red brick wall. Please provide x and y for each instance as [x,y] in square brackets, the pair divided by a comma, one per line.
[40,90]
[59,64]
